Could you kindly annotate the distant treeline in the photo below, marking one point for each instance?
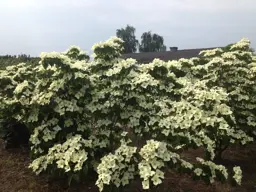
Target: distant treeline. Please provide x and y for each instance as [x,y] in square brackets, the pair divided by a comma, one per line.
[7,60]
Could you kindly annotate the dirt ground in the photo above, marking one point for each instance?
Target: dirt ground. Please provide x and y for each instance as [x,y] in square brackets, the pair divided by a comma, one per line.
[16,177]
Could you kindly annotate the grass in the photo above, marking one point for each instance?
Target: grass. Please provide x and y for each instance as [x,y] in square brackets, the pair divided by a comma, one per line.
[16,177]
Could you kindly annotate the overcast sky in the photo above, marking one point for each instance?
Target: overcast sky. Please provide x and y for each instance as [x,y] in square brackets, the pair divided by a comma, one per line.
[34,26]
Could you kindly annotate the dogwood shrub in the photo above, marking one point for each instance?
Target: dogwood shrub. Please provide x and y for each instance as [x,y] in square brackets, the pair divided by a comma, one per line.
[126,120]
[232,70]
[17,84]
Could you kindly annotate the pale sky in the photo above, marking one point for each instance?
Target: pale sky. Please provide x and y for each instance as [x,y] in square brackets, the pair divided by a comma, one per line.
[34,26]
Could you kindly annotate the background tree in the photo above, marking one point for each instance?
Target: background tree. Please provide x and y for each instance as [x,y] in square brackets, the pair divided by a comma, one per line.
[127,34]
[151,42]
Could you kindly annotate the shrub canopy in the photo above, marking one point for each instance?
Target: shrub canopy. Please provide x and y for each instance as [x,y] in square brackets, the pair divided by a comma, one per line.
[125,120]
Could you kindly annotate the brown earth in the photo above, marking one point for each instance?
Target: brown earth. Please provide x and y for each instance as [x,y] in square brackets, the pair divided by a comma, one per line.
[16,177]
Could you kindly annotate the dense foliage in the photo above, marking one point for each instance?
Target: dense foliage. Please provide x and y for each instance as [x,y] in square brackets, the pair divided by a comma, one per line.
[127,34]
[7,60]
[151,42]
[125,120]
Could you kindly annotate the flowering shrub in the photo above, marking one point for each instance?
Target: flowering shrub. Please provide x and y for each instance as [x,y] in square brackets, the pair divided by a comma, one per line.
[109,50]
[154,155]
[17,84]
[126,120]
[117,168]
[233,71]
[58,101]
[70,156]
[211,110]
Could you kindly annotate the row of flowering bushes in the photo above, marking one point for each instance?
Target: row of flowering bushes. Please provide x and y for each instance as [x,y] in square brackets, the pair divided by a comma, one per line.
[125,120]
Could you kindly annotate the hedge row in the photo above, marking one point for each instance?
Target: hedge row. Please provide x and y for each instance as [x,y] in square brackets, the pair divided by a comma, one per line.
[124,120]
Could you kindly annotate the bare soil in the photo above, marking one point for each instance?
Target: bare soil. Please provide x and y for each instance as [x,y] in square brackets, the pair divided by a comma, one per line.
[16,177]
